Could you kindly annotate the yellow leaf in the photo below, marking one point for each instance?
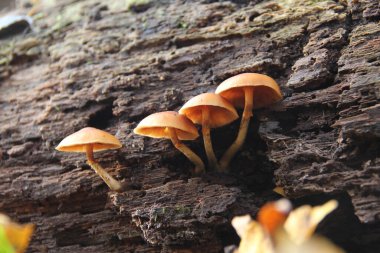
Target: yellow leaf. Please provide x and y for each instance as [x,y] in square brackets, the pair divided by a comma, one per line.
[254,239]
[279,190]
[302,222]
[294,236]
[315,244]
[18,235]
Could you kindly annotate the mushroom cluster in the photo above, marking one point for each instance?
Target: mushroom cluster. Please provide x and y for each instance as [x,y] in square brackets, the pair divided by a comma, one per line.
[212,110]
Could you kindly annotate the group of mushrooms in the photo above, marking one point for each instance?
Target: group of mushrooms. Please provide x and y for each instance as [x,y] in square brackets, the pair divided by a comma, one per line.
[210,110]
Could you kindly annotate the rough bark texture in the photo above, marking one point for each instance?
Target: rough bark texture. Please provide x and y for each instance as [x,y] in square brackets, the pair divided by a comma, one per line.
[97,64]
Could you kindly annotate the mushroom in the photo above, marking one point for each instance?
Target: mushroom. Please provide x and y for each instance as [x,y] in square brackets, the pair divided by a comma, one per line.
[89,140]
[211,111]
[248,90]
[174,126]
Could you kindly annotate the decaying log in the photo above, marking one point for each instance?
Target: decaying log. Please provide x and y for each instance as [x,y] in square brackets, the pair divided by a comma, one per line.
[100,64]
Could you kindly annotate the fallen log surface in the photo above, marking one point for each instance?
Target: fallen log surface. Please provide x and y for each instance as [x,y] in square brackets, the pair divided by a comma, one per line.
[110,64]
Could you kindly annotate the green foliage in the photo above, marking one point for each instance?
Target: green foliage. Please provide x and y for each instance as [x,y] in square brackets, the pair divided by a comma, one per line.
[5,246]
[183,24]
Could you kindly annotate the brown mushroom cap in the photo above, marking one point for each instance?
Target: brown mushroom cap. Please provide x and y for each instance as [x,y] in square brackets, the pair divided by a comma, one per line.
[155,126]
[266,90]
[222,112]
[77,141]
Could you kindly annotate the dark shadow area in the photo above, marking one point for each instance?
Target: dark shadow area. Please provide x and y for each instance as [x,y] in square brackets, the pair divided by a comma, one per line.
[101,115]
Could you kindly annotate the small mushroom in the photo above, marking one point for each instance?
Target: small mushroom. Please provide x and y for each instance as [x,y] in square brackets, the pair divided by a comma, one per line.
[174,126]
[89,140]
[211,111]
[248,90]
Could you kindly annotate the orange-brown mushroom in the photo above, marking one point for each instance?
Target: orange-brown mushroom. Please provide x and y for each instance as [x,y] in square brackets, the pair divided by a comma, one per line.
[174,126]
[248,90]
[89,140]
[211,111]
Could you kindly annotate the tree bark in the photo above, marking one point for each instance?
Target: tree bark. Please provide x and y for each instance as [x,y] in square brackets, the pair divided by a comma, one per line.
[108,66]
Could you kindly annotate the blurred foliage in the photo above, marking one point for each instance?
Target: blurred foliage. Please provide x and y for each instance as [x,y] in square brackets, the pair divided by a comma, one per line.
[5,245]
[294,235]
[14,238]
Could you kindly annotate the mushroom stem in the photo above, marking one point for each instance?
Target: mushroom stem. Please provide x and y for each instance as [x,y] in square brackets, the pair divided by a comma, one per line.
[239,141]
[112,183]
[212,161]
[199,166]
[90,153]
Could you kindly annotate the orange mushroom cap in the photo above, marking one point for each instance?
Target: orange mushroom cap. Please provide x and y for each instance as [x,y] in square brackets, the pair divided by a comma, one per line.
[266,90]
[155,126]
[77,141]
[222,112]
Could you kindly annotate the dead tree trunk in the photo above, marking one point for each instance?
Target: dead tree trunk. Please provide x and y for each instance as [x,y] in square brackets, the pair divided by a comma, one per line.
[108,66]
